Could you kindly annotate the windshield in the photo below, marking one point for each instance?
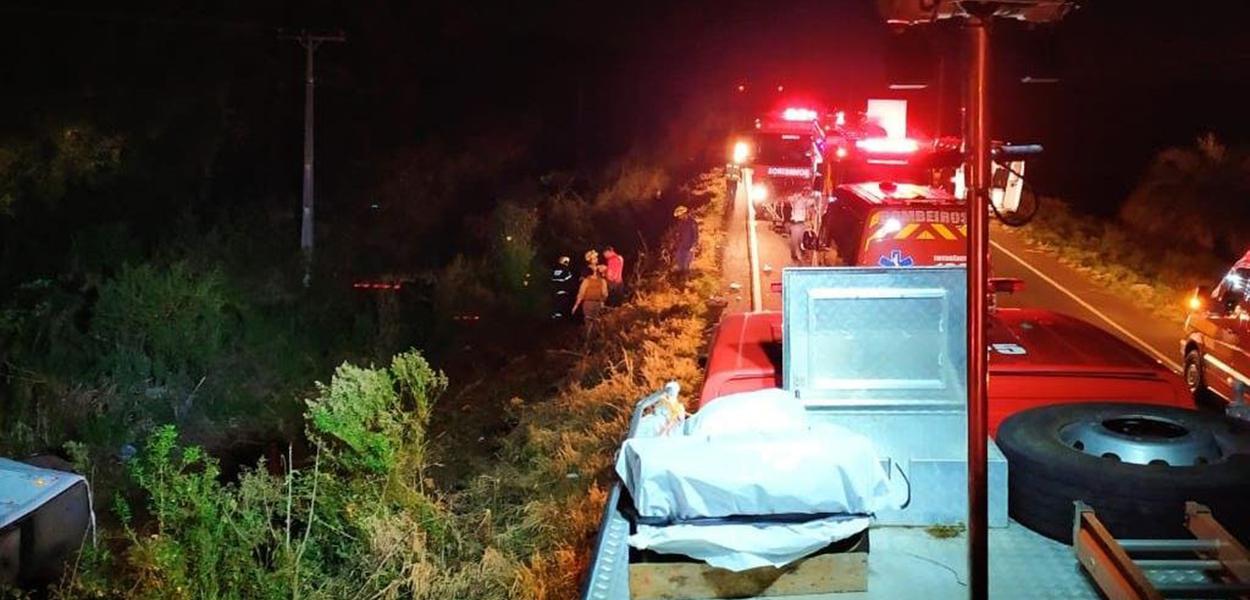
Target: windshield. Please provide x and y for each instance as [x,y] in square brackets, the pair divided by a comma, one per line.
[780,151]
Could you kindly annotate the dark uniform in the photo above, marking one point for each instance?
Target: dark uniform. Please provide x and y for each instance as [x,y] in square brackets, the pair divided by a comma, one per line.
[563,289]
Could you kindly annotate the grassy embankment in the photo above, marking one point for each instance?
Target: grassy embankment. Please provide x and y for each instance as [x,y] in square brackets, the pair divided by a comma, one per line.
[541,504]
[366,520]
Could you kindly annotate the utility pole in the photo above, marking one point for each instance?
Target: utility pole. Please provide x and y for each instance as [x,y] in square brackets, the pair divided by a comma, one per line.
[977,173]
[310,42]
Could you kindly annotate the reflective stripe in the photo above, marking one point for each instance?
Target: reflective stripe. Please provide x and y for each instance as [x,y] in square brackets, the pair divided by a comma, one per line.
[944,231]
[906,231]
[1221,365]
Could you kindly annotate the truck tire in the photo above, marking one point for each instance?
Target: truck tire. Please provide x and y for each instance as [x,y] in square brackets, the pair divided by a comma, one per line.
[1196,381]
[1135,464]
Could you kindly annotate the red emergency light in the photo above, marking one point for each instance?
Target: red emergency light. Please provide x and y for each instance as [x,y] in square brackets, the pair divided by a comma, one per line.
[887,145]
[798,114]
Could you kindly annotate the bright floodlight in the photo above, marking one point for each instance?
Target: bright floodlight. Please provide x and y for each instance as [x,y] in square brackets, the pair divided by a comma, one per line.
[798,114]
[884,145]
[742,151]
[759,193]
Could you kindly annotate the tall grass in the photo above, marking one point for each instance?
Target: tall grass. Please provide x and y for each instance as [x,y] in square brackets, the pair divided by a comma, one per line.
[538,508]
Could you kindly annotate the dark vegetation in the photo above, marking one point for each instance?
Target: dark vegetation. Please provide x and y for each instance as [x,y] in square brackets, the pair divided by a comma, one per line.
[154,329]
[1184,223]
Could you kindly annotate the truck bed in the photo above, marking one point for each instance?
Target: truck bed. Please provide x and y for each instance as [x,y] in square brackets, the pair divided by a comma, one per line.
[907,562]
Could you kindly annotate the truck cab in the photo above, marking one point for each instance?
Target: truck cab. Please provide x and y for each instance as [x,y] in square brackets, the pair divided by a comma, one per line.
[785,154]
[1216,346]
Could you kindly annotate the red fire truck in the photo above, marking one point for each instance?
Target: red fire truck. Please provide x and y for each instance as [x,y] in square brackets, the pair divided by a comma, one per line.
[786,151]
[1038,357]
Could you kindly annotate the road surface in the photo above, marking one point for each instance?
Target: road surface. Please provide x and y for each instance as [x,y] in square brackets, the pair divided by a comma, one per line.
[1049,283]
[1053,285]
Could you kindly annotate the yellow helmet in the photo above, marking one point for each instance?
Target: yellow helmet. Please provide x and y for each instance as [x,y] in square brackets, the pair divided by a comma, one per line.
[679,211]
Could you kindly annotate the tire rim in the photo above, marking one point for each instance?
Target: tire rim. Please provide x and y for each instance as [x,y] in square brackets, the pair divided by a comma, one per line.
[1142,439]
[1193,375]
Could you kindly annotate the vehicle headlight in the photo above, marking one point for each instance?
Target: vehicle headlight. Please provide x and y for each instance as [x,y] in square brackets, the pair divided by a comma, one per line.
[759,192]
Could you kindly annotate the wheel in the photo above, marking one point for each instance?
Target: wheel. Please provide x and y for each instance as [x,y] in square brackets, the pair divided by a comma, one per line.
[1135,464]
[1195,380]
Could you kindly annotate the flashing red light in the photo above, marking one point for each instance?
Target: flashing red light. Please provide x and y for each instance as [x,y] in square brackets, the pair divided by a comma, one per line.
[781,88]
[839,118]
[886,145]
[798,114]
[840,152]
[742,88]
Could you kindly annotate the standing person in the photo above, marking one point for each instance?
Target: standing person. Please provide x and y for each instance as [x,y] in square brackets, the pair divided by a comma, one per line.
[592,262]
[800,207]
[562,285]
[591,295]
[615,274]
[687,237]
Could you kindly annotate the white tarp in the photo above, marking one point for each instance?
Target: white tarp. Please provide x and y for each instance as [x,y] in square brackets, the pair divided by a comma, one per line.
[822,469]
[772,409]
[744,455]
[742,546]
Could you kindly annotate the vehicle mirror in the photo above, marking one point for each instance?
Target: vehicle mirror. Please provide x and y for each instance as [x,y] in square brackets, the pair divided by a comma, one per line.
[1006,285]
[1199,300]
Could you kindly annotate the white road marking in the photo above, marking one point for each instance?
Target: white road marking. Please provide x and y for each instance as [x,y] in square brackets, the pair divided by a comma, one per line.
[1175,366]
[753,243]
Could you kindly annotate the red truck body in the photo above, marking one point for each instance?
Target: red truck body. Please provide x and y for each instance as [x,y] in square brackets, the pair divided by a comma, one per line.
[1037,358]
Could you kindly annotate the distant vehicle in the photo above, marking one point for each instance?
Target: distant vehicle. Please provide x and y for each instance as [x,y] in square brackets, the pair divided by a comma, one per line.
[1216,346]
[785,155]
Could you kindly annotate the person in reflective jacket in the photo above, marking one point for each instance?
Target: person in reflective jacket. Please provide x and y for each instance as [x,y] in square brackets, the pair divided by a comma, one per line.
[562,288]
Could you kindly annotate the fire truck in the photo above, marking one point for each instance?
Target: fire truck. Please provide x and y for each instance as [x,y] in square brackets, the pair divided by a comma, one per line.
[784,151]
[765,490]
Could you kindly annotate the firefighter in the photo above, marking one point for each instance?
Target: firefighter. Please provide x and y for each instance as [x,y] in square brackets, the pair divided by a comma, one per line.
[562,286]
[591,295]
[592,262]
[687,237]
[796,224]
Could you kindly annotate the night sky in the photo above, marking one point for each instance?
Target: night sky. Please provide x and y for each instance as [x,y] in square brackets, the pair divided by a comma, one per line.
[582,82]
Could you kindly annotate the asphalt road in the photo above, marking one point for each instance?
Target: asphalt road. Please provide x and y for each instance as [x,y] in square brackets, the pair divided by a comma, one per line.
[1053,285]
[1049,284]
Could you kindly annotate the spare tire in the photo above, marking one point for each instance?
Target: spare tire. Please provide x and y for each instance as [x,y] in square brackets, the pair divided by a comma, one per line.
[1135,464]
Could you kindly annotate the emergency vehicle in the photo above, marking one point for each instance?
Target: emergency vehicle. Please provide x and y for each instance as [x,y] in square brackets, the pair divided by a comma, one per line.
[1216,346]
[785,155]
[886,224]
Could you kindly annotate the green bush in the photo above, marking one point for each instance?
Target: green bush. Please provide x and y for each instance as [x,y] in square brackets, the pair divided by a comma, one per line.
[161,326]
[354,523]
